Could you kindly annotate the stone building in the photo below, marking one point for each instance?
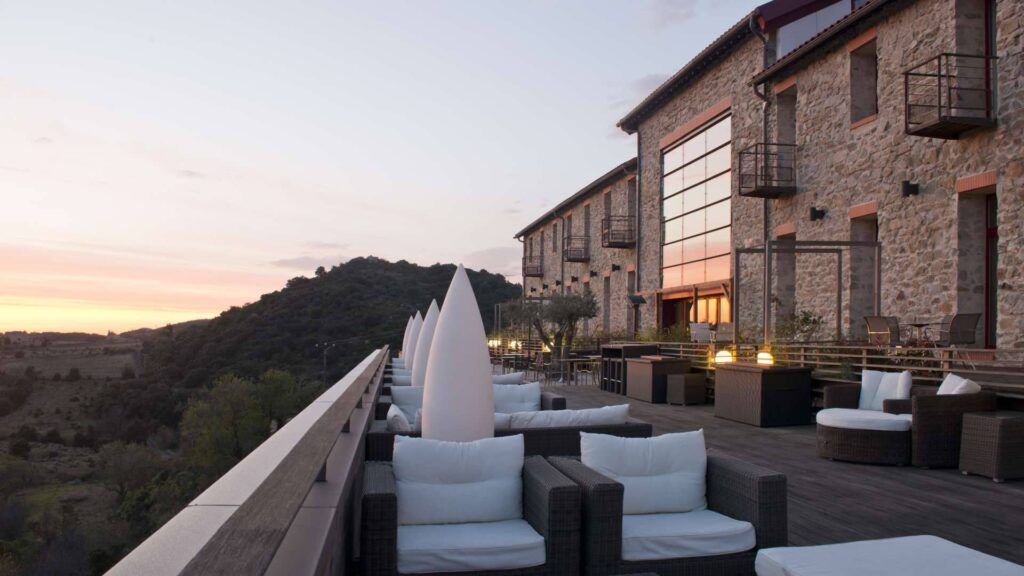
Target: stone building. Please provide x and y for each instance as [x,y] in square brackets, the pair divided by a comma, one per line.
[588,243]
[896,125]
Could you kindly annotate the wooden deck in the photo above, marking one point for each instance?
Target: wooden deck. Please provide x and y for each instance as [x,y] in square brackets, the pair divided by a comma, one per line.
[833,502]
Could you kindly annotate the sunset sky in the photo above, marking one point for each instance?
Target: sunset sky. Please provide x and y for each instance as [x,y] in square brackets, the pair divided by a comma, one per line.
[162,161]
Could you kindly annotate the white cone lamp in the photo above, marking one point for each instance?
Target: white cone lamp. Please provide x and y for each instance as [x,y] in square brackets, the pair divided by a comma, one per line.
[419,367]
[414,336]
[405,338]
[458,397]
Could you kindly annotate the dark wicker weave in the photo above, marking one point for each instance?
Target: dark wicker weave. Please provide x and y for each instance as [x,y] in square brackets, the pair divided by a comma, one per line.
[763,395]
[734,488]
[933,442]
[993,445]
[548,401]
[559,441]
[551,504]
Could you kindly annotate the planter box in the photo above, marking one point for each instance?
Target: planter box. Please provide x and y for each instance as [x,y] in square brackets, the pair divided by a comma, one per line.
[762,395]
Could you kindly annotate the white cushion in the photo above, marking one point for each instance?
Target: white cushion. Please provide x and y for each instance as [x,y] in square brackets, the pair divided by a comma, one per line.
[455,482]
[401,380]
[909,556]
[469,547]
[876,387]
[409,399]
[509,398]
[401,371]
[512,378]
[661,474]
[397,422]
[684,535]
[502,421]
[953,384]
[604,416]
[864,420]
[397,363]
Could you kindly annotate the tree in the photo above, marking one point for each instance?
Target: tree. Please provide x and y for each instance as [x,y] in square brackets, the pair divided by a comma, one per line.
[222,426]
[126,467]
[320,271]
[555,319]
[127,372]
[74,374]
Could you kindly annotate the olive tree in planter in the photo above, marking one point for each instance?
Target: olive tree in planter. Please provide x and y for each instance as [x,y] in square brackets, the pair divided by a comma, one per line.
[555,318]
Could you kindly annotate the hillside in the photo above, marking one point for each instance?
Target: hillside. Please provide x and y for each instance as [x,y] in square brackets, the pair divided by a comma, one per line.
[362,304]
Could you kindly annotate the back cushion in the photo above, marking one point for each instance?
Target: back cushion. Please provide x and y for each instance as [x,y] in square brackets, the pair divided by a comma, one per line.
[409,400]
[458,482]
[953,384]
[397,422]
[509,398]
[875,387]
[401,380]
[513,378]
[663,474]
[605,416]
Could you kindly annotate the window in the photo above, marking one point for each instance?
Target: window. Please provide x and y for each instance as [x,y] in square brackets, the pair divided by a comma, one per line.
[631,196]
[696,207]
[586,220]
[554,238]
[795,33]
[785,105]
[864,82]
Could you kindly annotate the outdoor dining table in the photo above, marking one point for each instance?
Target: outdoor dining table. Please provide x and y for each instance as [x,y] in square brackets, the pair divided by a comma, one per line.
[574,367]
[919,327]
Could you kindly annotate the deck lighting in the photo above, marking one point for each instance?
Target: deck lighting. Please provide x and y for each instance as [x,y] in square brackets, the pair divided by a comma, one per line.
[724,357]
[765,357]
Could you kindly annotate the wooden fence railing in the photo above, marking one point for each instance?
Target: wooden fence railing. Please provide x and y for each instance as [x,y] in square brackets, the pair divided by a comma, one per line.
[287,507]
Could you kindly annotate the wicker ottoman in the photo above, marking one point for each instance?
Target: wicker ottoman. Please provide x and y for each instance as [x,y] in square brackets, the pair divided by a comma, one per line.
[687,389]
[992,444]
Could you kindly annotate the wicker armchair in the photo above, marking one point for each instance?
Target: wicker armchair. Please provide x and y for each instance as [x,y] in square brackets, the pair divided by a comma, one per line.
[938,423]
[735,488]
[551,505]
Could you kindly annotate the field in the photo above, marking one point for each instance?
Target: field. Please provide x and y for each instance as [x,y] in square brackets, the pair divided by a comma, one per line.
[98,358]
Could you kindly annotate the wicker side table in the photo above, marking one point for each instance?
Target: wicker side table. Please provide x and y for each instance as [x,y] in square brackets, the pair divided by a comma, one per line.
[992,444]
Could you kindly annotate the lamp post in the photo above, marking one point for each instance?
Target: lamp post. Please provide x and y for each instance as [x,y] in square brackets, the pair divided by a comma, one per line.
[326,346]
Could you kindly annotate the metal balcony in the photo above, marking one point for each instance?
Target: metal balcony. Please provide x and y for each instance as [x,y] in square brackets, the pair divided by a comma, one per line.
[576,249]
[949,95]
[618,232]
[768,170]
[533,267]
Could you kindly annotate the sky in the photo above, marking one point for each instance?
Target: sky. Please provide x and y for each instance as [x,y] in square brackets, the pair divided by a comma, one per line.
[163,161]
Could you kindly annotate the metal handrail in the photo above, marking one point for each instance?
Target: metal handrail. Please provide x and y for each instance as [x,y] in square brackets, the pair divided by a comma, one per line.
[618,230]
[767,165]
[940,88]
[576,248]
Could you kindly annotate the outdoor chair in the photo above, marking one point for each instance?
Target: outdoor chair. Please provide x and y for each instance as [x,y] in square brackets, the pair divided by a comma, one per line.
[700,332]
[473,507]
[883,330]
[853,427]
[958,330]
[937,415]
[663,505]
[725,332]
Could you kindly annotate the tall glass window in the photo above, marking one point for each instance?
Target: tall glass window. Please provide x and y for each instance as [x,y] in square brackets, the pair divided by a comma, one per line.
[696,188]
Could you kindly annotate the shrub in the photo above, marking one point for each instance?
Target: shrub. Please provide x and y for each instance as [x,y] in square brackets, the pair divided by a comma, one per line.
[20,448]
[127,372]
[74,374]
[27,433]
[52,436]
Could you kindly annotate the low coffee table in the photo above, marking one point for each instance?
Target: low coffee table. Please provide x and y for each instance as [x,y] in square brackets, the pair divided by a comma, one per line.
[992,444]
[924,555]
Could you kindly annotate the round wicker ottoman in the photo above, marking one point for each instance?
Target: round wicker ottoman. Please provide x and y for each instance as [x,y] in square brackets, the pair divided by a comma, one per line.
[865,446]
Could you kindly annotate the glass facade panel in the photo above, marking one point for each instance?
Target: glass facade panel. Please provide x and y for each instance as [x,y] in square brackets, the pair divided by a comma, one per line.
[700,215]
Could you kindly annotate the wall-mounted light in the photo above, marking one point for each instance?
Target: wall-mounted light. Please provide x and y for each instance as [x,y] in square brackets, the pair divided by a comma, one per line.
[533,289]
[818,213]
[558,282]
[636,299]
[544,286]
[574,279]
[616,267]
[593,274]
[908,188]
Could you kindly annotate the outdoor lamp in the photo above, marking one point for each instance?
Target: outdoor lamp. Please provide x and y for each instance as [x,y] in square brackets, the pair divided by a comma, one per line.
[765,358]
[724,357]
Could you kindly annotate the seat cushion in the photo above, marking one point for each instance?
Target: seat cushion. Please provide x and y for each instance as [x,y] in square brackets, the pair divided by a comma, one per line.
[953,384]
[509,398]
[512,378]
[604,416]
[409,400]
[684,535]
[876,387]
[441,482]
[661,474]
[401,380]
[397,362]
[864,420]
[397,421]
[469,547]
[909,555]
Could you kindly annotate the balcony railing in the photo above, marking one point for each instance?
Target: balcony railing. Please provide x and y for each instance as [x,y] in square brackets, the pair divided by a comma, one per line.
[618,232]
[768,170]
[533,267]
[948,95]
[576,249]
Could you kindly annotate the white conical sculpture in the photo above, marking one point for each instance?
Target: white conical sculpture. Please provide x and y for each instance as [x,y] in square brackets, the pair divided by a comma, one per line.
[414,336]
[419,366]
[405,338]
[458,397]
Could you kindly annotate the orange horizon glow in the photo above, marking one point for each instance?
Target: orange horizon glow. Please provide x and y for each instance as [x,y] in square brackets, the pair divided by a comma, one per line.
[54,315]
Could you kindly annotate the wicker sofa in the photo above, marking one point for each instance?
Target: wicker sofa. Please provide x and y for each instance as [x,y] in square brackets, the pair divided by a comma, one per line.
[555,441]
[736,489]
[551,506]
[548,401]
[932,441]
